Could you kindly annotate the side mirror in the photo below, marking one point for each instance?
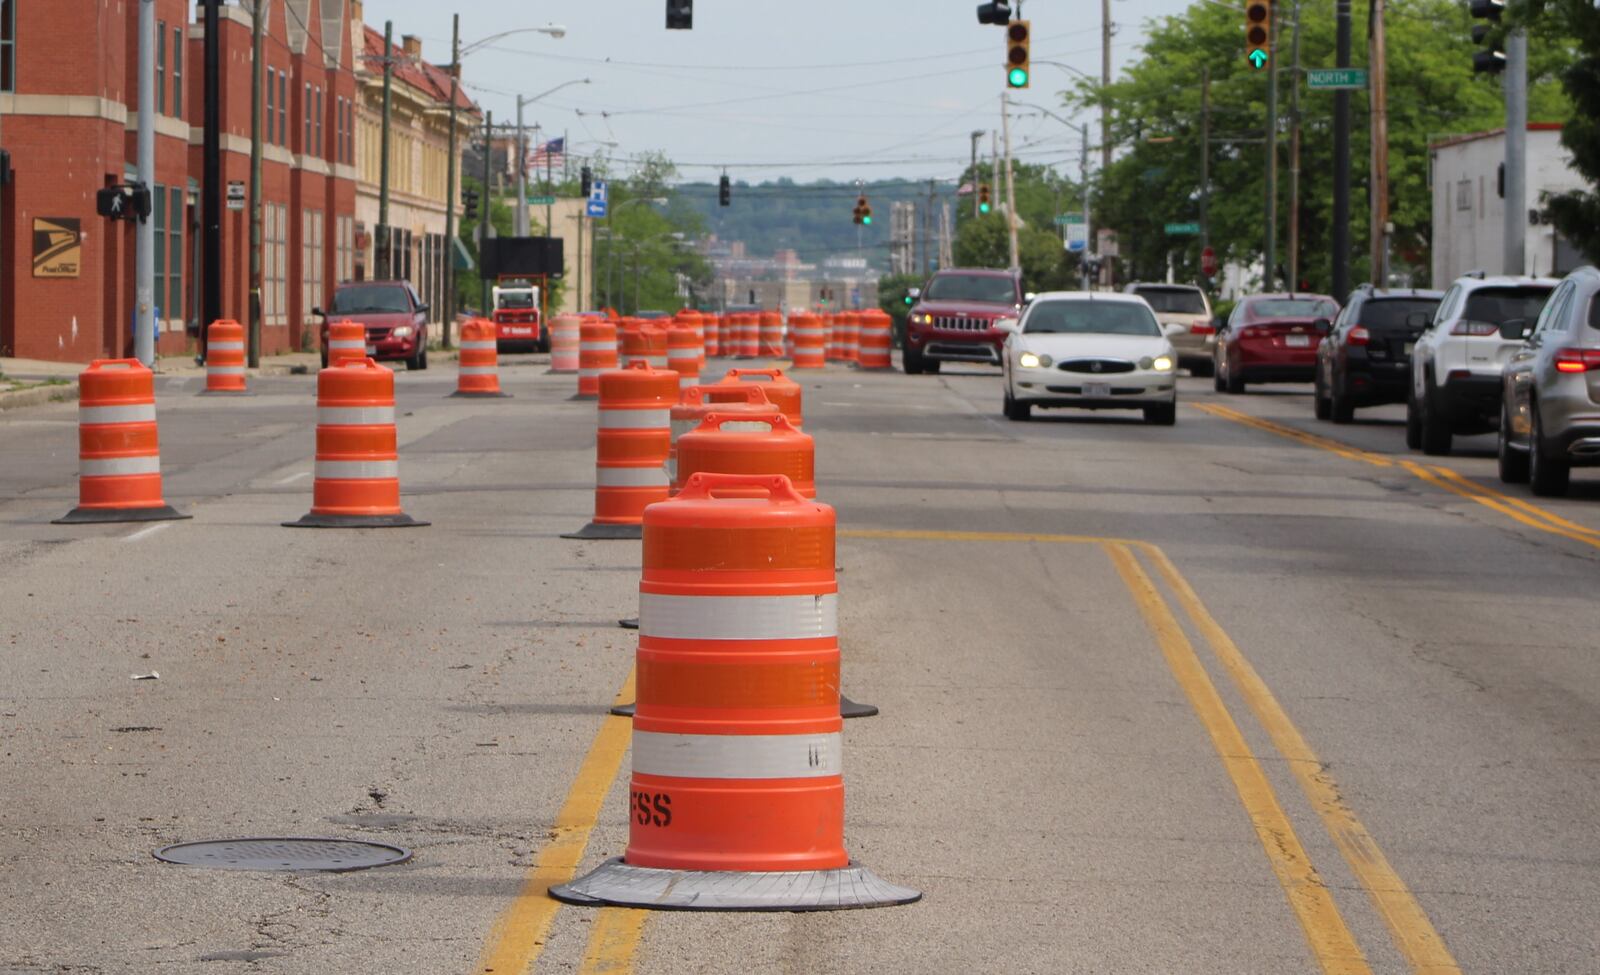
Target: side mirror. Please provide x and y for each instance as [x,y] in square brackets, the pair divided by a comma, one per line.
[1010,326]
[422,308]
[319,312]
[1322,325]
[1028,296]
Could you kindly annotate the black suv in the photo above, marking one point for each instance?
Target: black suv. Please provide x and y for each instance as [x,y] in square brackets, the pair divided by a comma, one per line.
[1366,358]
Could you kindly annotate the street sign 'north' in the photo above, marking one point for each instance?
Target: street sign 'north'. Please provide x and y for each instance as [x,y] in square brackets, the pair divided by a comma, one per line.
[1182,229]
[1335,79]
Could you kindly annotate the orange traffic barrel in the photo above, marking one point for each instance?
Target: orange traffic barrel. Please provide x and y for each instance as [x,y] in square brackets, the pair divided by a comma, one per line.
[564,343]
[644,340]
[830,324]
[478,371]
[683,353]
[711,331]
[771,333]
[119,456]
[737,792]
[851,328]
[358,459]
[810,341]
[696,321]
[632,441]
[727,339]
[876,338]
[747,335]
[597,353]
[224,358]
[696,402]
[780,389]
[347,340]
[731,443]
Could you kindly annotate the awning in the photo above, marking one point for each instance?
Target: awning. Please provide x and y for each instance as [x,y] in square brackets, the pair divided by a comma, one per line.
[463,259]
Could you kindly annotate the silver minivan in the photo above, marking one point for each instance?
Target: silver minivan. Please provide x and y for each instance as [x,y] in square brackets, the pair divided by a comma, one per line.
[1185,317]
[1550,391]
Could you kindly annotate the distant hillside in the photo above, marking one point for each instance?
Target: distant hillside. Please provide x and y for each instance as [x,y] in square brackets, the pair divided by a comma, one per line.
[811,218]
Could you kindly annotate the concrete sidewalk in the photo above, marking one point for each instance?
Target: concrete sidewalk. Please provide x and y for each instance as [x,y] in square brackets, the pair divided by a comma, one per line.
[30,382]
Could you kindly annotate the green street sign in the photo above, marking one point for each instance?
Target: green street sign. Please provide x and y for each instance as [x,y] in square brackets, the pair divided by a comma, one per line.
[1062,219]
[1258,58]
[1336,79]
[541,201]
[1183,229]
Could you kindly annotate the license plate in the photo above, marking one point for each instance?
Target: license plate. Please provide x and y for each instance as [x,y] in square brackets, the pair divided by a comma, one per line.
[1410,346]
[1297,341]
[372,350]
[520,331]
[1097,389]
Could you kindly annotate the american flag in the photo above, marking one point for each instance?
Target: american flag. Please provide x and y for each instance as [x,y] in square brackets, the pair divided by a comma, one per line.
[548,154]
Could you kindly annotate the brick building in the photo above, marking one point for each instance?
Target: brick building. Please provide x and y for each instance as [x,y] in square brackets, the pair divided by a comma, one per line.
[68,97]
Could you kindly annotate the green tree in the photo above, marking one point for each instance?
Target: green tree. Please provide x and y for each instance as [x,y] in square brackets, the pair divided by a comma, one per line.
[1576,214]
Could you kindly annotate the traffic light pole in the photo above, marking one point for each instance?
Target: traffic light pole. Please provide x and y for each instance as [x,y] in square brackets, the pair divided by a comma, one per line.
[448,313]
[1516,201]
[1294,153]
[1341,159]
[1011,186]
[253,344]
[1379,186]
[486,214]
[144,328]
[385,258]
[1269,247]
[211,175]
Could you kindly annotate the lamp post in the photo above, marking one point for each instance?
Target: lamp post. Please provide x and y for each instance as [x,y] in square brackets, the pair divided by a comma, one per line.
[522,163]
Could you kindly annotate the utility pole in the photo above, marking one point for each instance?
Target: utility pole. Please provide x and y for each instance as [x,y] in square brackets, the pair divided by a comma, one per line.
[521,222]
[1083,177]
[930,253]
[1011,186]
[1205,157]
[257,27]
[211,175]
[1294,152]
[1341,159]
[976,178]
[577,299]
[449,311]
[384,262]
[1107,28]
[1379,193]
[1269,246]
[487,212]
[144,326]
[1516,201]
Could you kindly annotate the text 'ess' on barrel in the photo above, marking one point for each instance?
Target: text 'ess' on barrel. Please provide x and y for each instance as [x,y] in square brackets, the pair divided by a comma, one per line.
[357,477]
[224,359]
[119,456]
[632,441]
[597,353]
[478,371]
[737,796]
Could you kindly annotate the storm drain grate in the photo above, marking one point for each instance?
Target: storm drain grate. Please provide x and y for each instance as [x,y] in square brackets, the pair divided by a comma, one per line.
[284,853]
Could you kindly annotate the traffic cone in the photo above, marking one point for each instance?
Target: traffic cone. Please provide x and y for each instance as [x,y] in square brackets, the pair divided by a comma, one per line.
[737,796]
[225,359]
[478,371]
[631,445]
[358,461]
[119,456]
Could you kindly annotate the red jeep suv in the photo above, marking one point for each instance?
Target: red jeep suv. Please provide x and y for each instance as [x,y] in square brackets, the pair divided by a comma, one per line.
[954,315]
[395,316]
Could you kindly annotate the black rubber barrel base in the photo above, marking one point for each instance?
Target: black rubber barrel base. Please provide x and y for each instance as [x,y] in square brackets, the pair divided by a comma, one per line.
[111,516]
[356,521]
[629,624]
[458,394]
[225,392]
[594,531]
[582,396]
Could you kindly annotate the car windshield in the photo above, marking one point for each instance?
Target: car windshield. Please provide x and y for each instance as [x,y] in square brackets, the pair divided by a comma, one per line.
[1293,308]
[1393,312]
[370,297]
[1174,301]
[993,288]
[1500,305]
[516,299]
[1089,317]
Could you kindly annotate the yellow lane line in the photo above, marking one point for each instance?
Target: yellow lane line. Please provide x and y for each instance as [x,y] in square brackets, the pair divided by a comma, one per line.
[519,935]
[1421,945]
[613,941]
[1331,942]
[1442,477]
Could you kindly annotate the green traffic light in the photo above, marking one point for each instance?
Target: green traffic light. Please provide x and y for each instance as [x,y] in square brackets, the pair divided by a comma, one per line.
[867,218]
[908,300]
[1017,78]
[983,208]
[1258,58]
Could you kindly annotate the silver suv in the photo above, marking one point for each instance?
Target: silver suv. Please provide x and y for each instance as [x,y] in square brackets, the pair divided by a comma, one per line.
[1550,403]
[1455,368]
[1185,317]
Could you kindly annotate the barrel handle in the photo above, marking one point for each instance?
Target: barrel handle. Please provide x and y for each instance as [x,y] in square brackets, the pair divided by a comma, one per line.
[120,363]
[704,486]
[777,421]
[736,374]
[726,393]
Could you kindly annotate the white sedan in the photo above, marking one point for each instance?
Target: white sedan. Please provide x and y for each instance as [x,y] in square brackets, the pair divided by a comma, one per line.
[1090,350]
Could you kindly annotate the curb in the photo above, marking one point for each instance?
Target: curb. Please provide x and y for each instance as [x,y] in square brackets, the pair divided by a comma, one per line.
[38,395]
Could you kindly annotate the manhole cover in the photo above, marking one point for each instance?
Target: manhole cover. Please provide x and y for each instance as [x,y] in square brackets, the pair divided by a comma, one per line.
[283,853]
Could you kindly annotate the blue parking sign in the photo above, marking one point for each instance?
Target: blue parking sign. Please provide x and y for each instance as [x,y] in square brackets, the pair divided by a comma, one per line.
[597,198]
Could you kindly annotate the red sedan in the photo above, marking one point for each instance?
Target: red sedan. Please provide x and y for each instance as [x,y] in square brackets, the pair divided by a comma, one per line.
[1272,339]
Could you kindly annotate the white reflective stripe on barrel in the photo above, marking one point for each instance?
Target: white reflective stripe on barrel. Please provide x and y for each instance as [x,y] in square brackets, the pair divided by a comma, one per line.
[137,413]
[590,371]
[620,477]
[114,466]
[348,344]
[477,344]
[224,370]
[612,419]
[806,756]
[357,470]
[597,346]
[658,361]
[739,617]
[477,370]
[354,416]
[746,426]
[225,346]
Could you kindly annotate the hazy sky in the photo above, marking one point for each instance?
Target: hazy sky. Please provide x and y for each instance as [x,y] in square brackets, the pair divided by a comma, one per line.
[804,88]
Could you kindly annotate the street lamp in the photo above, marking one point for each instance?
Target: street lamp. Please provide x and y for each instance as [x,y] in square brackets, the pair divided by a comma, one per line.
[522,164]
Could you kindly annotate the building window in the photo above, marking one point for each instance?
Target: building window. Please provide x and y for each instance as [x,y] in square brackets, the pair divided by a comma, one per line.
[8,45]
[283,108]
[158,216]
[274,270]
[161,66]
[175,228]
[311,262]
[344,249]
[319,123]
[305,143]
[177,72]
[272,103]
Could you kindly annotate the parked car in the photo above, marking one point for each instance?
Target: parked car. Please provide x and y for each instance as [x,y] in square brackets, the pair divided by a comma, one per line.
[1185,316]
[1365,358]
[395,316]
[1271,338]
[1454,385]
[953,318]
[1089,351]
[1550,391]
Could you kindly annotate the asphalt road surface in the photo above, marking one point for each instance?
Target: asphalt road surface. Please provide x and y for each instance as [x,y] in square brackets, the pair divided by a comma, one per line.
[1251,694]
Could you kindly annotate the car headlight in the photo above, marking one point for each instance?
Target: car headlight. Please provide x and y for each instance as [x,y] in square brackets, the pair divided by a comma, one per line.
[921,318]
[403,332]
[1161,363]
[1032,360]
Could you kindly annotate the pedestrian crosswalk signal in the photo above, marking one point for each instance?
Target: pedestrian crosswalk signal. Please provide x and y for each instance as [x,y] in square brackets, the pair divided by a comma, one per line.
[863,211]
[984,204]
[1017,68]
[1258,32]
[724,192]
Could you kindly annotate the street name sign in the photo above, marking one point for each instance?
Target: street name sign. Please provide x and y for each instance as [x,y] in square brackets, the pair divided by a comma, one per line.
[1183,229]
[1076,237]
[1336,79]
[541,201]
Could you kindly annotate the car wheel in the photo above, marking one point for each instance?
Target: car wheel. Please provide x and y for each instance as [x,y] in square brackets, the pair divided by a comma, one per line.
[1015,410]
[1218,381]
[1164,415]
[1436,435]
[1340,409]
[1319,398]
[417,360]
[1413,422]
[1547,476]
[911,360]
[1513,462]
[1235,383]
